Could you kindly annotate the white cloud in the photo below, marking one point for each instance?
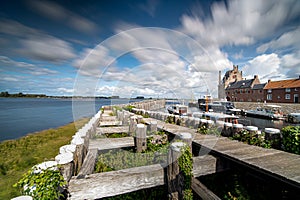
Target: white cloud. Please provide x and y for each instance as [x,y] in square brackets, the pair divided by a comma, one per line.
[291,38]
[63,90]
[58,13]
[241,22]
[10,65]
[35,44]
[267,66]
[150,7]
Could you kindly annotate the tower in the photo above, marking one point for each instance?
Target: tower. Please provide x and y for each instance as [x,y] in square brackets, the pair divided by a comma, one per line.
[229,77]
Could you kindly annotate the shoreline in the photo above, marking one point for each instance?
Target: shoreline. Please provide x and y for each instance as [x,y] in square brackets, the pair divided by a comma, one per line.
[17,156]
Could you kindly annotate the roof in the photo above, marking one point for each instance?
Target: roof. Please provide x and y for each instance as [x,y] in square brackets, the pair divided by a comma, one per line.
[259,86]
[240,84]
[291,83]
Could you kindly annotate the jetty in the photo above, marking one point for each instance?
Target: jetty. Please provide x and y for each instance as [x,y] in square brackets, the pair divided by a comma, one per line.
[211,154]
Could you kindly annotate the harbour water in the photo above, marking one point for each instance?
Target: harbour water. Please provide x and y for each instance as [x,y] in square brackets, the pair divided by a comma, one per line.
[20,116]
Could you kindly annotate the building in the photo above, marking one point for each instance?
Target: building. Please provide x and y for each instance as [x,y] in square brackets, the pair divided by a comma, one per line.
[245,90]
[283,91]
[229,77]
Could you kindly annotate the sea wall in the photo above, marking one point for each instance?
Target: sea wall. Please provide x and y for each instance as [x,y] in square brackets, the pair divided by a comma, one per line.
[285,107]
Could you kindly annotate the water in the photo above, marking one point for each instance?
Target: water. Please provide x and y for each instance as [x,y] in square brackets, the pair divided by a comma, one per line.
[20,116]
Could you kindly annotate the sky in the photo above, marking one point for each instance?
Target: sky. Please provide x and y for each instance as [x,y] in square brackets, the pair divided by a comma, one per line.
[151,48]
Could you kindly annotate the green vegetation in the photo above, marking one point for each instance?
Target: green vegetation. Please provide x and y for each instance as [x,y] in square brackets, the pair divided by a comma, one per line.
[47,183]
[121,159]
[20,94]
[291,139]
[128,108]
[19,156]
[246,137]
[185,162]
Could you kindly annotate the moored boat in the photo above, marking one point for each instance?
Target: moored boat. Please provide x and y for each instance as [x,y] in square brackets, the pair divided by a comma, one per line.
[266,112]
[293,118]
[178,109]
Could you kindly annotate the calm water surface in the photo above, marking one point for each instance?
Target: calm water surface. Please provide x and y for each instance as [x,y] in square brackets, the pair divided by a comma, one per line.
[20,116]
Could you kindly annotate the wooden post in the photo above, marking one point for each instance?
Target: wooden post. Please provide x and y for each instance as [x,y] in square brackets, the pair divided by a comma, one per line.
[253,130]
[175,181]
[273,135]
[140,140]
[66,161]
[153,127]
[132,125]
[237,128]
[187,138]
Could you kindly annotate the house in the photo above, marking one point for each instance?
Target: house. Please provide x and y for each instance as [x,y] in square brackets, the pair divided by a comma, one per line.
[243,90]
[283,91]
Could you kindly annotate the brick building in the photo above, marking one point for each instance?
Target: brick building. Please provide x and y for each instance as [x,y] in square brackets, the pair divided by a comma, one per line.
[245,90]
[283,91]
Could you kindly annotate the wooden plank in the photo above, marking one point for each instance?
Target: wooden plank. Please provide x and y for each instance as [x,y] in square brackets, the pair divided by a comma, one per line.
[108,118]
[117,129]
[124,181]
[204,165]
[111,143]
[88,163]
[116,182]
[110,123]
[203,191]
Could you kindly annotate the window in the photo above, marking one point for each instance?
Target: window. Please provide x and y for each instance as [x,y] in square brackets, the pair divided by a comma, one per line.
[296,89]
[287,96]
[269,96]
[269,90]
[287,89]
[241,91]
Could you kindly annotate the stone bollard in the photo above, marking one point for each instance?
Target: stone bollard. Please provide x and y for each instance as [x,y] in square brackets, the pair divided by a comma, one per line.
[227,131]
[253,131]
[67,165]
[153,127]
[140,138]
[175,179]
[236,129]
[274,137]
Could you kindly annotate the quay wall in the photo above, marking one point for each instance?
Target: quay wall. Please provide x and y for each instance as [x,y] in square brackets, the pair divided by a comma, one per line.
[286,108]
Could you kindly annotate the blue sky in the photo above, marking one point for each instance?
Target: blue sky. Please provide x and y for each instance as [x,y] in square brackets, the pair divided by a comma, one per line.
[153,48]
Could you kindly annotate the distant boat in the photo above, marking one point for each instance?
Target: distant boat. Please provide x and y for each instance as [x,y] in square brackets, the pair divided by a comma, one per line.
[178,109]
[214,116]
[293,118]
[266,112]
[219,106]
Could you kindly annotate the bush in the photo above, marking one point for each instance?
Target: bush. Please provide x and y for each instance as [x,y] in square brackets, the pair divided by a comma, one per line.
[291,139]
[42,183]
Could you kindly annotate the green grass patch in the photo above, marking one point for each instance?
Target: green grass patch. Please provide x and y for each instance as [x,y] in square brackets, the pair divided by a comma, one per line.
[18,156]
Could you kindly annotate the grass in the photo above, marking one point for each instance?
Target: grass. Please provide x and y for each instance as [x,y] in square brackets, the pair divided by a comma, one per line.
[18,156]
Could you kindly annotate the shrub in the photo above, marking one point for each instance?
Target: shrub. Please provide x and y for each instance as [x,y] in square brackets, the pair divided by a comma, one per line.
[291,139]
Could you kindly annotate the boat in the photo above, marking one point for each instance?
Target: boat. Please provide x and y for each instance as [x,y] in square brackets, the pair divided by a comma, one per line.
[178,109]
[220,107]
[266,112]
[293,118]
[215,116]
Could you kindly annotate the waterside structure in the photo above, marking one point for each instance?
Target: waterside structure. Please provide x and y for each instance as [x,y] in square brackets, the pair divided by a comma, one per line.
[211,154]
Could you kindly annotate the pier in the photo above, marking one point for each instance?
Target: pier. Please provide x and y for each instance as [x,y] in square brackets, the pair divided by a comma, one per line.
[211,154]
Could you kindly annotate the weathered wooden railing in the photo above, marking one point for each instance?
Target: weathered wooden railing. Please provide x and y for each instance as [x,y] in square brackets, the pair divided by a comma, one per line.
[78,158]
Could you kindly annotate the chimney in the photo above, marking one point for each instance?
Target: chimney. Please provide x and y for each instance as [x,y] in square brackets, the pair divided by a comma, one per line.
[255,76]
[269,80]
[220,77]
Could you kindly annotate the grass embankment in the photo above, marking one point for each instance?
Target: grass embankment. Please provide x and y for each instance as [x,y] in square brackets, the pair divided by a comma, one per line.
[18,156]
